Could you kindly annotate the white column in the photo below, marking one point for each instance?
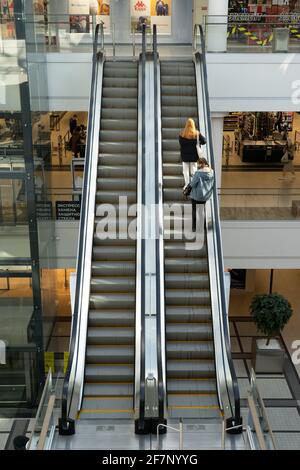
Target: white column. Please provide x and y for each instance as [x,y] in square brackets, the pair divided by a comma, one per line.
[216,29]
[217,136]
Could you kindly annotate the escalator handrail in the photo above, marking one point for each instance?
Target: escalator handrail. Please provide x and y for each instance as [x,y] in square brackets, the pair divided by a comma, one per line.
[76,319]
[160,305]
[141,379]
[225,332]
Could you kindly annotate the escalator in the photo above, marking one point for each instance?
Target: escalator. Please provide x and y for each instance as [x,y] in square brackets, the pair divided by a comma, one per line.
[191,377]
[109,364]
[101,377]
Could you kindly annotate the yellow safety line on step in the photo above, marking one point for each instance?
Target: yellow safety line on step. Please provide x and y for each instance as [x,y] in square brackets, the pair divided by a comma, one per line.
[106,411]
[195,407]
[100,397]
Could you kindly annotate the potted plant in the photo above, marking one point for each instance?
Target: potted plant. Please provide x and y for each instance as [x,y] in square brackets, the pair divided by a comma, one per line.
[270,313]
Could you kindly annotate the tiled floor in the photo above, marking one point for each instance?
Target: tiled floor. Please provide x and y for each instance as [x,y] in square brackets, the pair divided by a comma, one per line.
[279,391]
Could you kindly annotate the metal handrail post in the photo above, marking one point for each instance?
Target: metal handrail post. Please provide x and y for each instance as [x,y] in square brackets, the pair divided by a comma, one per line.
[180,430]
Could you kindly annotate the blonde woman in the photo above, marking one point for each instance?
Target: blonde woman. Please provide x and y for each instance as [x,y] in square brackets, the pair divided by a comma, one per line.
[188,150]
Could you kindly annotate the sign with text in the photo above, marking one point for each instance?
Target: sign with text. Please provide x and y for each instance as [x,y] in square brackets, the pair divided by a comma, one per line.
[43,210]
[150,12]
[68,210]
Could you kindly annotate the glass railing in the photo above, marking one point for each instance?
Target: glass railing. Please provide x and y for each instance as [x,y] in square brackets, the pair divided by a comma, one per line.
[46,418]
[258,431]
[260,203]
[253,33]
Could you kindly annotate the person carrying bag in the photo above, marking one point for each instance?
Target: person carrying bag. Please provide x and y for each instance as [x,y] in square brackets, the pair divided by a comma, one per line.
[200,190]
[190,141]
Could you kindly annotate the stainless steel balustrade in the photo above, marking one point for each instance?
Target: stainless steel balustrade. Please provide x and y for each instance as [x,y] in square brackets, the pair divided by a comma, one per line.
[228,390]
[74,380]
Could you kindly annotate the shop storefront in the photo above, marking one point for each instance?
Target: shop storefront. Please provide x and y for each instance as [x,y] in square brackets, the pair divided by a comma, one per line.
[260,137]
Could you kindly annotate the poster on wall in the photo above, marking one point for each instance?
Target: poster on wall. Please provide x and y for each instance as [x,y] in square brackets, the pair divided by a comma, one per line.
[150,12]
[79,24]
[39,7]
[7,26]
[80,11]
[101,8]
[7,9]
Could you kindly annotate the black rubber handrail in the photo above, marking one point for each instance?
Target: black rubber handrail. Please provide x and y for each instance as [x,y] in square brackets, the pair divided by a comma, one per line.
[66,425]
[226,335]
[160,359]
[140,423]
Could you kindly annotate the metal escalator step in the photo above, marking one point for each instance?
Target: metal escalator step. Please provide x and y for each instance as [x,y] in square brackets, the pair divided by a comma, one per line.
[108,404]
[123,136]
[119,125]
[170,145]
[172,157]
[111,317]
[188,314]
[115,113]
[106,284]
[177,369]
[175,265]
[195,412]
[120,74]
[115,183]
[119,92]
[112,300]
[190,350]
[110,354]
[119,103]
[108,389]
[178,70]
[179,100]
[170,169]
[109,253]
[179,90]
[116,409]
[186,281]
[179,111]
[117,160]
[120,209]
[187,297]
[195,400]
[189,331]
[120,148]
[174,124]
[103,239]
[115,82]
[174,249]
[173,196]
[111,171]
[202,385]
[177,80]
[112,268]
[109,373]
[172,181]
[110,335]
[113,197]
[186,91]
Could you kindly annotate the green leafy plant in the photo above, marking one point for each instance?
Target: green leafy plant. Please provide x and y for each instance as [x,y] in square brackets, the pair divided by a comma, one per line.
[270,313]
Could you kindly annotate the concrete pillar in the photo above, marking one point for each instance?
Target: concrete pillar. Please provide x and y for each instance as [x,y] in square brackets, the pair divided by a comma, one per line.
[216,29]
[217,136]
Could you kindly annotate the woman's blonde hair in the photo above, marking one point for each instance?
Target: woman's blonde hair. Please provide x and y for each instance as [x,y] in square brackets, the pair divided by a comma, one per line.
[190,131]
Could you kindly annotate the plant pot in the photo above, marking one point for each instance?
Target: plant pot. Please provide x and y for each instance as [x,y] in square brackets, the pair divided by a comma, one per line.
[267,358]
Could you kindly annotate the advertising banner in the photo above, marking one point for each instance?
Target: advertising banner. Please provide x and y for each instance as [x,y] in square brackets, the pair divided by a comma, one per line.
[150,12]
[80,11]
